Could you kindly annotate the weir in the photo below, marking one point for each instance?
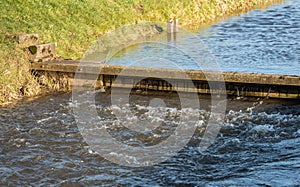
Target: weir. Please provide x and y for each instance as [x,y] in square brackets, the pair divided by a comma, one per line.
[142,80]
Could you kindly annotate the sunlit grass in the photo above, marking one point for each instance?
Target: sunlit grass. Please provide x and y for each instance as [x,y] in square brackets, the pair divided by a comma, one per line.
[74,24]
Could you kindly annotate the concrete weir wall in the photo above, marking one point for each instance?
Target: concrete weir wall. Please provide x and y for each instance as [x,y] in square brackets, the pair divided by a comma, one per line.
[168,80]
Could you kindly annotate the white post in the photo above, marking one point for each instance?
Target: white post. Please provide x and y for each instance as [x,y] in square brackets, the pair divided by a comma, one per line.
[172,29]
[170,26]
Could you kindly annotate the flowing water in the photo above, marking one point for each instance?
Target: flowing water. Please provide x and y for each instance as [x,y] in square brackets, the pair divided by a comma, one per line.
[258,144]
[261,41]
[267,41]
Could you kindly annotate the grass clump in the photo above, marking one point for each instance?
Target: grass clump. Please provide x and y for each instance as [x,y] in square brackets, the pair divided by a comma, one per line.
[74,24]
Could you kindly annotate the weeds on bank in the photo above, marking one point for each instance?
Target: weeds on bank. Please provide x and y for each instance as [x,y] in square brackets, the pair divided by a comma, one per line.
[15,79]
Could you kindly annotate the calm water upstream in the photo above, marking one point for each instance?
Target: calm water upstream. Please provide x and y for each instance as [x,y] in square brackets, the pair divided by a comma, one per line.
[258,144]
[261,41]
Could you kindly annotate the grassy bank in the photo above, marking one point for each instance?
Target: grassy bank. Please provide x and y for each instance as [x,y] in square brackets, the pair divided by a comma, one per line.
[74,24]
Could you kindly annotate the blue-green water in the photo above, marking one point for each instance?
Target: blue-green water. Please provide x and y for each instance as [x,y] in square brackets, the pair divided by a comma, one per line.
[261,41]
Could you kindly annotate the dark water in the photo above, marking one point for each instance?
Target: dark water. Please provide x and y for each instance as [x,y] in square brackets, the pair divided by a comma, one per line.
[258,144]
[41,145]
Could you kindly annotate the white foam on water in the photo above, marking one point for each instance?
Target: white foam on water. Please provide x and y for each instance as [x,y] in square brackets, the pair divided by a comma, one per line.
[148,118]
[125,158]
[37,130]
[44,120]
[262,129]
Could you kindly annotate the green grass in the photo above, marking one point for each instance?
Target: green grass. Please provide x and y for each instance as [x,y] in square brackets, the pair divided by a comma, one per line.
[74,24]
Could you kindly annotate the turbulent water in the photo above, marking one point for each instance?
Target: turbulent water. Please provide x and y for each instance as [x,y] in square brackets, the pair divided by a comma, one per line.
[258,144]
